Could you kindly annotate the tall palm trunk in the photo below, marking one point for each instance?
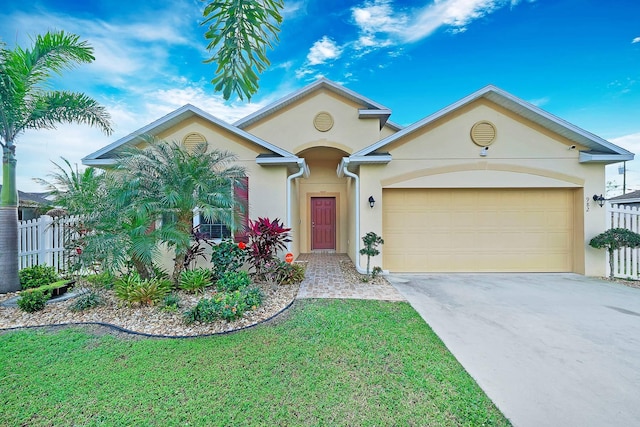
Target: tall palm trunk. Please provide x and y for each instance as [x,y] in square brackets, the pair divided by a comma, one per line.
[9,281]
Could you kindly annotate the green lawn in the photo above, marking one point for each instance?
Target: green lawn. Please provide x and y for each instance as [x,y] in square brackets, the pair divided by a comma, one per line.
[328,363]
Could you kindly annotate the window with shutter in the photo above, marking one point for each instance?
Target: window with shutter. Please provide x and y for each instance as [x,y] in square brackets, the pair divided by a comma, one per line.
[219,230]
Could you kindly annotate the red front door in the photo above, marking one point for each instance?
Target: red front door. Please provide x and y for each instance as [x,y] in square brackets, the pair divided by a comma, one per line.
[323,223]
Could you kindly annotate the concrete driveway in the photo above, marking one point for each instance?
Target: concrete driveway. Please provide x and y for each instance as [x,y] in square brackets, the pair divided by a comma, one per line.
[548,349]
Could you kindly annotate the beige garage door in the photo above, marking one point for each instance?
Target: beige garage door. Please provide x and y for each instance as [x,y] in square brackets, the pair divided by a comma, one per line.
[478,230]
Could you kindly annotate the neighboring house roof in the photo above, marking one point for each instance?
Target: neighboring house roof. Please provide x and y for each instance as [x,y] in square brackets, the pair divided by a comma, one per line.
[599,150]
[32,199]
[633,197]
[371,108]
[106,155]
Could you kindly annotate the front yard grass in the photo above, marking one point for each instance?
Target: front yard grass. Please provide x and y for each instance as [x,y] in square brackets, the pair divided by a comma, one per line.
[328,362]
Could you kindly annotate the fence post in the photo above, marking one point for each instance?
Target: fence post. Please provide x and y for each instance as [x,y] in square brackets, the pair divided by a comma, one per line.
[45,237]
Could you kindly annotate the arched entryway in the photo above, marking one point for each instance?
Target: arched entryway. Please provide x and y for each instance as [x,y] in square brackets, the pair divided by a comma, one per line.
[323,202]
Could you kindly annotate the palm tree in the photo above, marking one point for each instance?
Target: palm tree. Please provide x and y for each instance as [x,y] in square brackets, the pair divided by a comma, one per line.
[73,190]
[25,103]
[165,180]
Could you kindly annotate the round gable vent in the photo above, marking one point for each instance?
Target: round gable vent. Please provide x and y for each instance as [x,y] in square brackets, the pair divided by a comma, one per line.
[483,133]
[323,121]
[192,140]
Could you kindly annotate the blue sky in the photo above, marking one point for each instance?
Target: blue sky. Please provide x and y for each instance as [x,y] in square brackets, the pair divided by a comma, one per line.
[577,59]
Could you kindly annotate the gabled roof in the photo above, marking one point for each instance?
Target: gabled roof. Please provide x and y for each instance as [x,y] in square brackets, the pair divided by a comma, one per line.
[32,199]
[633,197]
[370,108]
[599,150]
[105,156]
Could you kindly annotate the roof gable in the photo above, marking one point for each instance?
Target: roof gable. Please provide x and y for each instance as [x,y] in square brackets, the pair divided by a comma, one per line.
[633,197]
[370,109]
[600,150]
[104,156]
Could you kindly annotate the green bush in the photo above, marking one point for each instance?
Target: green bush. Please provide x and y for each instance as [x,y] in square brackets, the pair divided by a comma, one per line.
[233,281]
[614,239]
[134,290]
[86,301]
[232,305]
[253,297]
[195,280]
[206,311]
[36,276]
[104,280]
[171,302]
[225,305]
[291,274]
[278,272]
[33,300]
[227,256]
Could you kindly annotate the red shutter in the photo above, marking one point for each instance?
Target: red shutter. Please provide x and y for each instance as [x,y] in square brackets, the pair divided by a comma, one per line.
[241,193]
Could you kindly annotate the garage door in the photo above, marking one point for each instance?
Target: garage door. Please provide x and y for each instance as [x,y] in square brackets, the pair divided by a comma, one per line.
[478,230]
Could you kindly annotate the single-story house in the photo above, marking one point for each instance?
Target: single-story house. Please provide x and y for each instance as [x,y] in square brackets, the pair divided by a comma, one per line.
[29,204]
[490,183]
[629,199]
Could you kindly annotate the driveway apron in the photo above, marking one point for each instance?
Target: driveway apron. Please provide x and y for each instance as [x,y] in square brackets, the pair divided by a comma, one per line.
[548,349]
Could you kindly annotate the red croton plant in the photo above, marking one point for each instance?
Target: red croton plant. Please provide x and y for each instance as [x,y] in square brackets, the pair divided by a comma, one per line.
[266,238]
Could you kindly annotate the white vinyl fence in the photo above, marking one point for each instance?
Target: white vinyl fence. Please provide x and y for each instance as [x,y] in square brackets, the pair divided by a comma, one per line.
[42,241]
[626,262]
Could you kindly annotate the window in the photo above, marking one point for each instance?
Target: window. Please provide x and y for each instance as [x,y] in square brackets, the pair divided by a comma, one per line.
[219,230]
[215,230]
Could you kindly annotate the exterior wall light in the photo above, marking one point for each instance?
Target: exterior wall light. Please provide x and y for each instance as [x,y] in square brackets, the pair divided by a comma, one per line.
[372,201]
[598,199]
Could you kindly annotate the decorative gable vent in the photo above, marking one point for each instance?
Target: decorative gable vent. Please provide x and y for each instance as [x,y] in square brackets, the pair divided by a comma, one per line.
[191,141]
[323,121]
[483,133]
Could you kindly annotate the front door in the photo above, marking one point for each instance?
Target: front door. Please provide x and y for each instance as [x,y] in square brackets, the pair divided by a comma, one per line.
[323,223]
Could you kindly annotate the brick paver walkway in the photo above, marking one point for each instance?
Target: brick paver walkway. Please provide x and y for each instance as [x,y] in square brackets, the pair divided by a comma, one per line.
[324,279]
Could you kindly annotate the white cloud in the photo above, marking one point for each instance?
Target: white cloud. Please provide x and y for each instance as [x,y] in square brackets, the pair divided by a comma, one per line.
[378,17]
[378,22]
[294,9]
[636,40]
[323,50]
[163,101]
[539,102]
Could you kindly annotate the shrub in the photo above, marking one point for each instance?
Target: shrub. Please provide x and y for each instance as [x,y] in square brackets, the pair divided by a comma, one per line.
[253,297]
[86,301]
[292,274]
[171,302]
[225,305]
[36,276]
[104,280]
[31,301]
[278,272]
[232,305]
[615,238]
[266,238]
[233,280]
[206,311]
[195,280]
[134,290]
[227,256]
[123,285]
